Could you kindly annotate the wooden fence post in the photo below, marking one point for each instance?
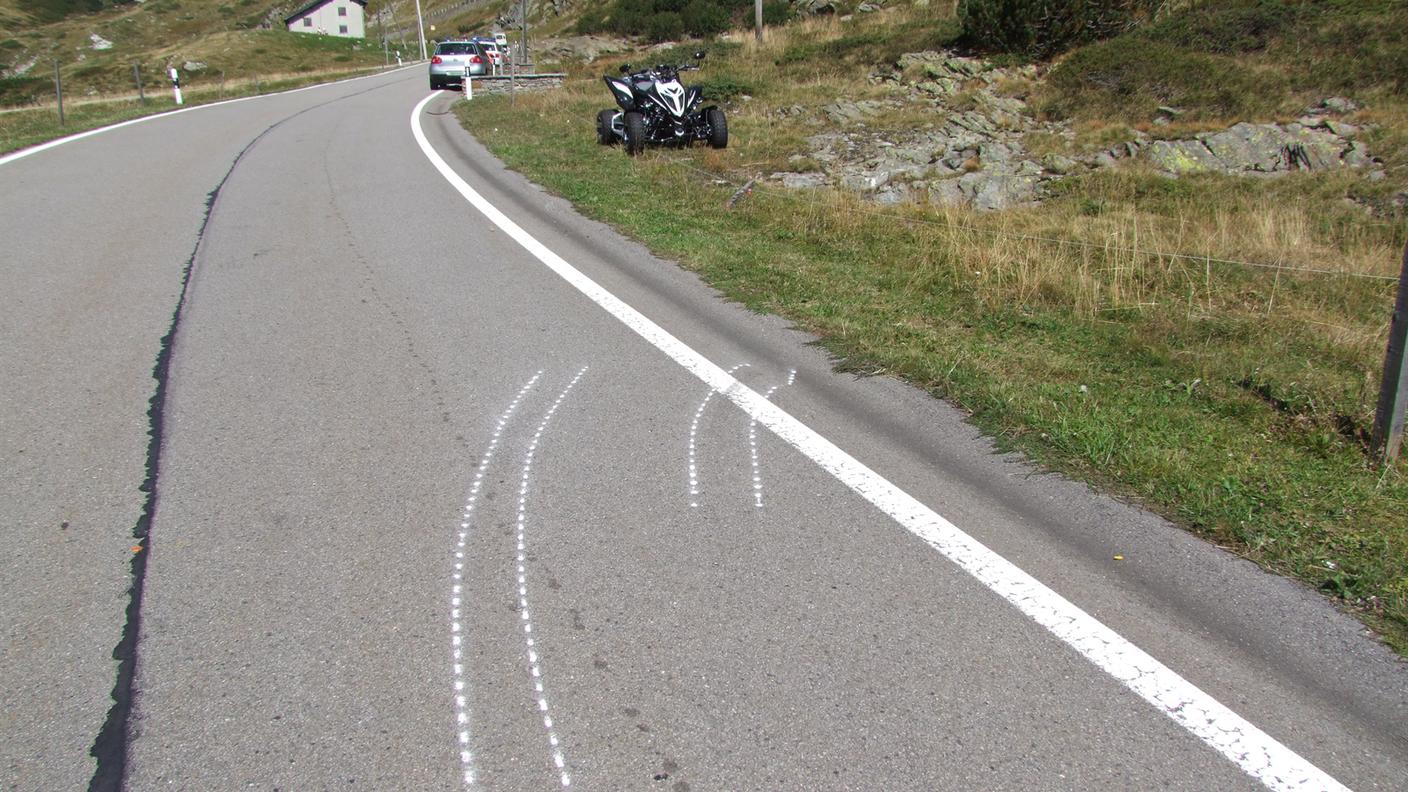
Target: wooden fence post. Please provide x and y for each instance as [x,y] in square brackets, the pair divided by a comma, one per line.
[1388,419]
[59,91]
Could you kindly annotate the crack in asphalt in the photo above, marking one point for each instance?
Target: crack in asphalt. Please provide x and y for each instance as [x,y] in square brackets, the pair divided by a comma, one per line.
[111,743]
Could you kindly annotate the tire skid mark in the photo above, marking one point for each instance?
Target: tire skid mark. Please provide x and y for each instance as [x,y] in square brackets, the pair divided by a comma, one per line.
[693,441]
[535,670]
[111,744]
[753,442]
[457,633]
[368,279]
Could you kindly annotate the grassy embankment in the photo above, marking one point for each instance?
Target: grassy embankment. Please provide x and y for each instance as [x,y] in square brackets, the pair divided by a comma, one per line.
[1233,398]
[268,61]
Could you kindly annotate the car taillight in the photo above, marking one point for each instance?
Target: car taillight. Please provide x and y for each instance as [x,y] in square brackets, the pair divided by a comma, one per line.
[436,59]
[475,59]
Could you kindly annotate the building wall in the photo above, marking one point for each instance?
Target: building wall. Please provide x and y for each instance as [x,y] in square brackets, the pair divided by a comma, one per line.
[325,19]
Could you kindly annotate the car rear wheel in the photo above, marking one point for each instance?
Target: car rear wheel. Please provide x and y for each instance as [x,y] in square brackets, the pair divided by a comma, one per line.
[635,133]
[718,128]
[604,135]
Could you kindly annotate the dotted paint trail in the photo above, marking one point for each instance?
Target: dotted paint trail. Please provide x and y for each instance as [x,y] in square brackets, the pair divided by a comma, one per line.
[535,670]
[753,443]
[457,636]
[693,436]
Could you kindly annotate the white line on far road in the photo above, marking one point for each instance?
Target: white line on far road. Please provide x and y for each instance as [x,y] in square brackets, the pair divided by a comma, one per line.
[1254,751]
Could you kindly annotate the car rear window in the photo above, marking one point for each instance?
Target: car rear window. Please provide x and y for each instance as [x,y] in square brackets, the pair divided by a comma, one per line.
[455,48]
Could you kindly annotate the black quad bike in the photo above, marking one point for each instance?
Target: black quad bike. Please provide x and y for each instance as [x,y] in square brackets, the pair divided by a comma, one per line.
[657,110]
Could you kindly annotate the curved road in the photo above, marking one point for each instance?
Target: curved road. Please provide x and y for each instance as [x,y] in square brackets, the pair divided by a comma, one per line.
[426,482]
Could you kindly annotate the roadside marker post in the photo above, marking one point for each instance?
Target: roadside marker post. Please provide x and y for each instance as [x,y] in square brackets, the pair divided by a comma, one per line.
[137,78]
[468,84]
[176,86]
[1387,443]
[59,91]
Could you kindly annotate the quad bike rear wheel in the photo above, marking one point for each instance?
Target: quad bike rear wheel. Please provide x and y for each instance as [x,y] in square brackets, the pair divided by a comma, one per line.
[604,135]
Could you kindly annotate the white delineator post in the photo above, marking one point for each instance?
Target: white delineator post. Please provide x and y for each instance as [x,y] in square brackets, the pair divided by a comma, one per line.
[176,85]
[467,84]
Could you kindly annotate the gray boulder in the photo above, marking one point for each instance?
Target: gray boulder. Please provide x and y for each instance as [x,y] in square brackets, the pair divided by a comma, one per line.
[1003,191]
[801,181]
[865,181]
[813,7]
[1256,148]
[1058,164]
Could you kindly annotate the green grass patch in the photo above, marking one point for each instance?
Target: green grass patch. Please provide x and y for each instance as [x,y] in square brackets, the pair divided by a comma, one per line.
[1245,59]
[1231,399]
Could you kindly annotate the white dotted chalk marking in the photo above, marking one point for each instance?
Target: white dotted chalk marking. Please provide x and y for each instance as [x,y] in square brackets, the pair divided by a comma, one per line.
[753,444]
[693,435]
[1257,753]
[457,587]
[535,669]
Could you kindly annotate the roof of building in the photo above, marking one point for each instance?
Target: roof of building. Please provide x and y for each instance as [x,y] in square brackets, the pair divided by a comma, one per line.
[316,4]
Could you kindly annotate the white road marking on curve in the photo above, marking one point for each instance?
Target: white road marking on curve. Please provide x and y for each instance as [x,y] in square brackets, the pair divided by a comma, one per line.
[462,723]
[535,669]
[1254,751]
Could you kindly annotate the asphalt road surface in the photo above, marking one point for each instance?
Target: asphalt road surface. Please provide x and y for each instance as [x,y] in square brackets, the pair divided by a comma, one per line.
[385,470]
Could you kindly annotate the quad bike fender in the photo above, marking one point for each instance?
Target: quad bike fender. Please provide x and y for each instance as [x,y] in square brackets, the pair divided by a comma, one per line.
[621,92]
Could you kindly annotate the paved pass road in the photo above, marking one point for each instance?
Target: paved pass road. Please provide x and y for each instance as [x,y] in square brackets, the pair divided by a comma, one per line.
[337,456]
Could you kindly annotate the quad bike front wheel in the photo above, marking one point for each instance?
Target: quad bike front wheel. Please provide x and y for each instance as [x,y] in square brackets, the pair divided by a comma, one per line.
[718,128]
[604,135]
[635,133]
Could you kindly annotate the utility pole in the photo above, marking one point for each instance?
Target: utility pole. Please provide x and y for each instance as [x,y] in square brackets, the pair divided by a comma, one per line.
[758,18]
[420,25]
[523,43]
[1393,393]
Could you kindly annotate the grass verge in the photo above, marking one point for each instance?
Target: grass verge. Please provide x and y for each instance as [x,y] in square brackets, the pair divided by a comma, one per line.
[1233,399]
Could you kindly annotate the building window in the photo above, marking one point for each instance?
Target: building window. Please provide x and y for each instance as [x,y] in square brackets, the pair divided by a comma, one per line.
[342,11]
[307,21]
[342,29]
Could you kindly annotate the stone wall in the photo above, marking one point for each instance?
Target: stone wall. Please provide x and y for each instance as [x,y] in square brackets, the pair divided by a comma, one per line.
[523,82]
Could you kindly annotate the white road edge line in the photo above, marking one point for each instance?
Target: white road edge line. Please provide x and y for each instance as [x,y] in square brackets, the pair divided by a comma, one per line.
[22,153]
[1255,752]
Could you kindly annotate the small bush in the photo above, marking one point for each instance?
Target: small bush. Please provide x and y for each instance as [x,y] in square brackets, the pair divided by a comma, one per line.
[1130,78]
[723,88]
[24,90]
[663,20]
[54,10]
[703,18]
[1042,28]
[776,12]
[1231,27]
[666,26]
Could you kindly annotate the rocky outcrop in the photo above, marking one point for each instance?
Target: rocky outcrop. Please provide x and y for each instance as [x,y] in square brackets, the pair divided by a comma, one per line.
[971,156]
[1263,149]
[585,48]
[973,152]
